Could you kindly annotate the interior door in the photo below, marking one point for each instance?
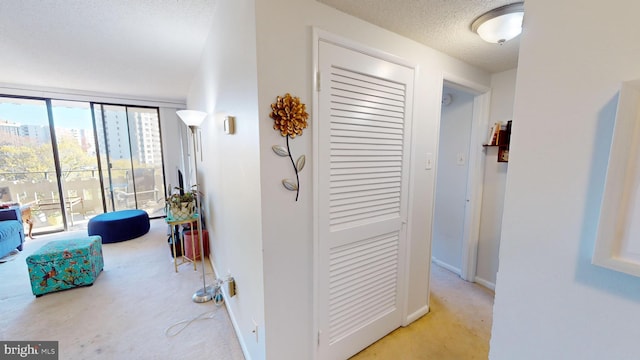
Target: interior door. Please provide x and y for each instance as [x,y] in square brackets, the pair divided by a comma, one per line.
[363,152]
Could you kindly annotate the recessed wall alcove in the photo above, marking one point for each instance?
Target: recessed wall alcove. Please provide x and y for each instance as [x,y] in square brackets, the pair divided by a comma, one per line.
[618,242]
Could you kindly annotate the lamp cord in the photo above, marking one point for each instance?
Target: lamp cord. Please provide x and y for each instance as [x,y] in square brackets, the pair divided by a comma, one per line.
[218,299]
[185,323]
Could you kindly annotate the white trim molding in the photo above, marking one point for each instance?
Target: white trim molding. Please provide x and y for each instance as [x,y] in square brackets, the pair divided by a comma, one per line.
[416,315]
[475,179]
[88,96]
[232,316]
[486,283]
[444,265]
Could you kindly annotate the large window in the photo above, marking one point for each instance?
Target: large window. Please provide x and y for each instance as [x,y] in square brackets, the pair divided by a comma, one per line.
[130,157]
[67,161]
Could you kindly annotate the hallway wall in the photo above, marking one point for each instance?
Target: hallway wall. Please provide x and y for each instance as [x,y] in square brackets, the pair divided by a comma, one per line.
[551,301]
[451,179]
[285,64]
[229,165]
[494,182]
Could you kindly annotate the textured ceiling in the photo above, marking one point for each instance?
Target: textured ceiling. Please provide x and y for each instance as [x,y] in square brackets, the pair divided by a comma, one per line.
[150,48]
[141,48]
[443,25]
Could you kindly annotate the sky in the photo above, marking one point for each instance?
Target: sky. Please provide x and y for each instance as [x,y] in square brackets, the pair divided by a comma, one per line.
[34,112]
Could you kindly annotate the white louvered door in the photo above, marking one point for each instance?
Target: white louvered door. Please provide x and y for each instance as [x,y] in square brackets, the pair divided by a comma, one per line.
[363,162]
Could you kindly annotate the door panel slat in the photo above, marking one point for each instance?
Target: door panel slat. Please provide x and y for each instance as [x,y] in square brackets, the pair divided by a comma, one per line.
[341,198]
[363,80]
[378,91]
[363,130]
[384,270]
[365,122]
[338,113]
[352,263]
[367,105]
[366,111]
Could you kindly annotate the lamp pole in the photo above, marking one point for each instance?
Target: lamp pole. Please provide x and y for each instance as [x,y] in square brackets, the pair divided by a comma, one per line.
[193,119]
[206,293]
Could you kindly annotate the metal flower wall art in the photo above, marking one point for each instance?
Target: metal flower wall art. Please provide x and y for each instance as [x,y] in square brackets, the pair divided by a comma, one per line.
[290,118]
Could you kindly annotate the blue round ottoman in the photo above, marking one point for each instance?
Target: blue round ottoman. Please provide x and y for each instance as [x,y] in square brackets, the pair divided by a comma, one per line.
[119,225]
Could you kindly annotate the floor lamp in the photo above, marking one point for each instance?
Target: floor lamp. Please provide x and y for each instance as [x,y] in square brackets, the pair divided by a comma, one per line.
[193,119]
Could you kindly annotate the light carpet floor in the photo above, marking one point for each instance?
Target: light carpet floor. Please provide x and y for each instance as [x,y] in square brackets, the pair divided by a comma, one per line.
[128,310]
[457,327]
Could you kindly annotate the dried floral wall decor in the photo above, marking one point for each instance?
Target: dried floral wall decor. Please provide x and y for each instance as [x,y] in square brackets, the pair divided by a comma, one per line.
[289,118]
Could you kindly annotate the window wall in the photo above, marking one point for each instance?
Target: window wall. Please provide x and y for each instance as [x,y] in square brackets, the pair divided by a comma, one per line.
[130,157]
[66,161]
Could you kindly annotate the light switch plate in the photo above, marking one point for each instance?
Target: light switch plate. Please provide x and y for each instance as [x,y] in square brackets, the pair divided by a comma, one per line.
[429,161]
[229,125]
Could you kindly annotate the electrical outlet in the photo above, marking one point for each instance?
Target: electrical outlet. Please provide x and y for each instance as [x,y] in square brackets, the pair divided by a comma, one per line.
[231,289]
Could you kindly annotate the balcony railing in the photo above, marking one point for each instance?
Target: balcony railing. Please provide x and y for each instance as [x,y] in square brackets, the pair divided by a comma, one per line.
[83,196]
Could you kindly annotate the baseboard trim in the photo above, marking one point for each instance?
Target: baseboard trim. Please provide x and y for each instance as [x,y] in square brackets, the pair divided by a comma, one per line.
[447,266]
[416,315]
[232,316]
[485,283]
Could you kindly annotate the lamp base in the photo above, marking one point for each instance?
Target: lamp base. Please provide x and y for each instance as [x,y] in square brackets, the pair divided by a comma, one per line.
[203,294]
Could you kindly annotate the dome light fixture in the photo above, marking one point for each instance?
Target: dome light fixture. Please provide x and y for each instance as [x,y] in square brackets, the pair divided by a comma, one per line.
[501,24]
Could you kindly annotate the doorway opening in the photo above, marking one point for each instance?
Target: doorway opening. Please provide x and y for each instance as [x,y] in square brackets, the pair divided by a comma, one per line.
[452,177]
[457,210]
[464,118]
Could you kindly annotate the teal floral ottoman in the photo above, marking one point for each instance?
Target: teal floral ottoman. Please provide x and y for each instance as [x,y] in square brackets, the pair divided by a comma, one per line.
[65,264]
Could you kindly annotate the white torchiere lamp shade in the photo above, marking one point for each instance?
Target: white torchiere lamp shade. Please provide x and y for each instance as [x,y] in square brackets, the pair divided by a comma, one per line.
[501,24]
[192,117]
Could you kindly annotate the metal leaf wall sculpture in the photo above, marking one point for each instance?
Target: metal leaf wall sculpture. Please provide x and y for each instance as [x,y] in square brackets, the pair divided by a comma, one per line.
[290,118]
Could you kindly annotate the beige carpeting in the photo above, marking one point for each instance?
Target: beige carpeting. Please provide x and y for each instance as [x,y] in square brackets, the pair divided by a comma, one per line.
[457,327]
[128,310]
[127,313]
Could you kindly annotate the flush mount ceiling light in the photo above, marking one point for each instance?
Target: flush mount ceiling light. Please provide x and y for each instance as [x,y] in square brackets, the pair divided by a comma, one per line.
[500,24]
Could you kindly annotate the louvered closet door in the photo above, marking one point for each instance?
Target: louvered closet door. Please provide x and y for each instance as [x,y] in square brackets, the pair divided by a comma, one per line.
[363,153]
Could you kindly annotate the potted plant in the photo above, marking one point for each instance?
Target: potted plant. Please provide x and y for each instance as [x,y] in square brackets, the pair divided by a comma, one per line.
[181,205]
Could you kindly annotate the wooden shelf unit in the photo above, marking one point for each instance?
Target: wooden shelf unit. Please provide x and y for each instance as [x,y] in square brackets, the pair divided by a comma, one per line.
[504,139]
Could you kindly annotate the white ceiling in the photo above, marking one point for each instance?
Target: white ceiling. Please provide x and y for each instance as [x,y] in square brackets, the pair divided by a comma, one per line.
[443,25]
[151,48]
[140,48]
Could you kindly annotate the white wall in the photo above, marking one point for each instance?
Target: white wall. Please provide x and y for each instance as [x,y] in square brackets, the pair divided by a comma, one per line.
[451,183]
[284,34]
[495,179]
[551,303]
[226,83]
